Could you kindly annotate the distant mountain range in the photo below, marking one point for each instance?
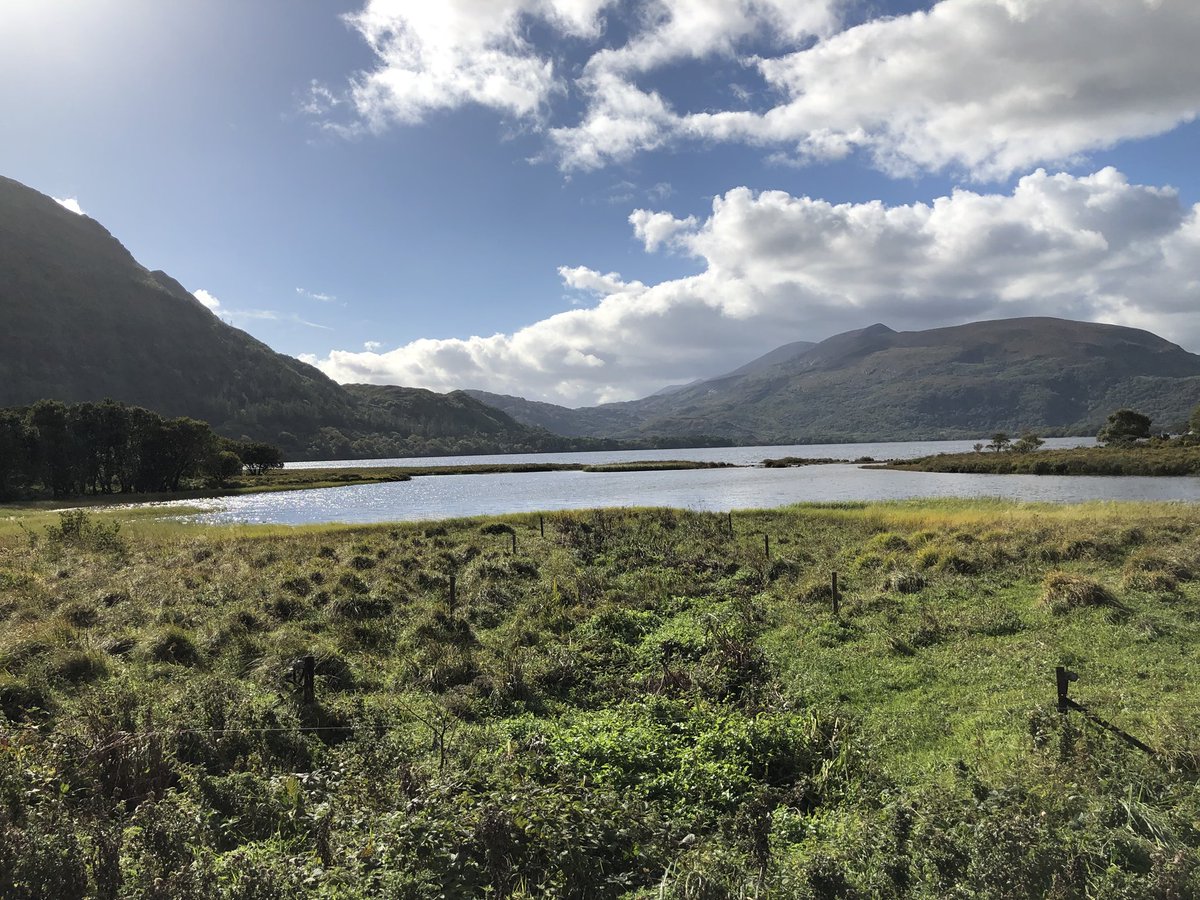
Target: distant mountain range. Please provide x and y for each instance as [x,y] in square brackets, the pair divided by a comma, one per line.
[83,320]
[1052,375]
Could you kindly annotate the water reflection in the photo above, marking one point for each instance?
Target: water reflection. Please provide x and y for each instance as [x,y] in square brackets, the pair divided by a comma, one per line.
[443,496]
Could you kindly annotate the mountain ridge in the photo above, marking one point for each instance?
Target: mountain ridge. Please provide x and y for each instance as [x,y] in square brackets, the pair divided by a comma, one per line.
[1044,373]
[86,321]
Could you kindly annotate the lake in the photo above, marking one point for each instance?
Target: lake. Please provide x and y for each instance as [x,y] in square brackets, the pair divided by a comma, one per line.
[443,496]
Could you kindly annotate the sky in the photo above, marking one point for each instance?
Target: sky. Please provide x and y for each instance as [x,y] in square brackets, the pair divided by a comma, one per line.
[583,201]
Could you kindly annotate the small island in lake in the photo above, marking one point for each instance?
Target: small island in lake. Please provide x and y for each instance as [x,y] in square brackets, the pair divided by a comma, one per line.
[1126,448]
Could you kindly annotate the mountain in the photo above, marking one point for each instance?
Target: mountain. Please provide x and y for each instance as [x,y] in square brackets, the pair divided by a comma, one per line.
[627,417]
[83,320]
[1052,375]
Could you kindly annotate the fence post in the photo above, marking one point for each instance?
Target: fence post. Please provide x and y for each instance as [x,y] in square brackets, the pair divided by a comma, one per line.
[308,673]
[1063,679]
[513,534]
[729,519]
[542,525]
[767,545]
[835,600]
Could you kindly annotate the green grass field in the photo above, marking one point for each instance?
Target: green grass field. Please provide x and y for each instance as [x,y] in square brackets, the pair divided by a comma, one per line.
[1141,460]
[638,704]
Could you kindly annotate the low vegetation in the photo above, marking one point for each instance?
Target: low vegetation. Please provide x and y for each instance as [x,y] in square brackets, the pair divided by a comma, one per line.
[788,462]
[636,704]
[1136,460]
[1127,446]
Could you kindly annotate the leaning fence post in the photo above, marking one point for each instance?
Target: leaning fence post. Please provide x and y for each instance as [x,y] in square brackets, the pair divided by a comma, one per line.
[308,672]
[729,520]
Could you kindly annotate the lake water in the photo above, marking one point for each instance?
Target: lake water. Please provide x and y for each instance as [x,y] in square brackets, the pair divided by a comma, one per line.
[742,456]
[443,496]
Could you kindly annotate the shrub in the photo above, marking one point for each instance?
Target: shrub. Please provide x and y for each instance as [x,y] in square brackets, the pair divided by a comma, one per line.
[77,666]
[80,614]
[906,582]
[173,645]
[21,700]
[1062,592]
[1150,580]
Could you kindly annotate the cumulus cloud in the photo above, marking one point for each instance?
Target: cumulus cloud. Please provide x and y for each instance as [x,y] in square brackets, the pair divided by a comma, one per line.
[988,87]
[207,299]
[776,268]
[373,346]
[442,55]
[70,203]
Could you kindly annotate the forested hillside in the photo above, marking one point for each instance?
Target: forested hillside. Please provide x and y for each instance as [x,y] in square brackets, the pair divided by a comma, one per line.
[84,321]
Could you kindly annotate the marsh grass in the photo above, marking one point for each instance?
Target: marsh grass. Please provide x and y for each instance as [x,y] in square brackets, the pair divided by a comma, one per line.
[638,704]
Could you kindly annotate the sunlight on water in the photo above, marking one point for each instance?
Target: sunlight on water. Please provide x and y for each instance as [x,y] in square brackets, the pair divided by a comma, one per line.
[442,496]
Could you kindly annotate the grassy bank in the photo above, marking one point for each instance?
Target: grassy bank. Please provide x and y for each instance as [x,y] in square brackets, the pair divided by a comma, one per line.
[637,704]
[1078,461]
[788,462]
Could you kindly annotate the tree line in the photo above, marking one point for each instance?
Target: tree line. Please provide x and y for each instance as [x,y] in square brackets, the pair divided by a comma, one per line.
[1125,428]
[65,450]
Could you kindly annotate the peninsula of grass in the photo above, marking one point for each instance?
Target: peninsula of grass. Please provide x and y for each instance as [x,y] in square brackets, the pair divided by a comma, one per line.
[1150,460]
[788,462]
[636,704]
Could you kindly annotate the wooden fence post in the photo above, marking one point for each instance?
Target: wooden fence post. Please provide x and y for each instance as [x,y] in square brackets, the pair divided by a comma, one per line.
[836,602]
[513,534]
[542,525]
[767,545]
[308,680]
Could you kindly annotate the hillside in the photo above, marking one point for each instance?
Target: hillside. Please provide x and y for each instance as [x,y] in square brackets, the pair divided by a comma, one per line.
[84,321]
[1053,375]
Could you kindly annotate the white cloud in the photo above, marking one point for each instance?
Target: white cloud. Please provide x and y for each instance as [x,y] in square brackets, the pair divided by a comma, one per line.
[315,295]
[270,315]
[777,268]
[70,203]
[373,346]
[989,87]
[207,299]
[657,228]
[445,54]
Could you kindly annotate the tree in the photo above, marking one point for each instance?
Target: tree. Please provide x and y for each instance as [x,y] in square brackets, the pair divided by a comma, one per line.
[15,474]
[258,457]
[1194,421]
[1125,427]
[1027,443]
[978,448]
[220,467]
[999,441]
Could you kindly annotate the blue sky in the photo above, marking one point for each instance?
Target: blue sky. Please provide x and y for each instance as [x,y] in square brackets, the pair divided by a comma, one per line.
[518,195]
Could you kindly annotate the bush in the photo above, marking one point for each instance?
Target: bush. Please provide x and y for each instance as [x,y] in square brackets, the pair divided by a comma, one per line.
[1062,593]
[173,645]
[906,582]
[20,700]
